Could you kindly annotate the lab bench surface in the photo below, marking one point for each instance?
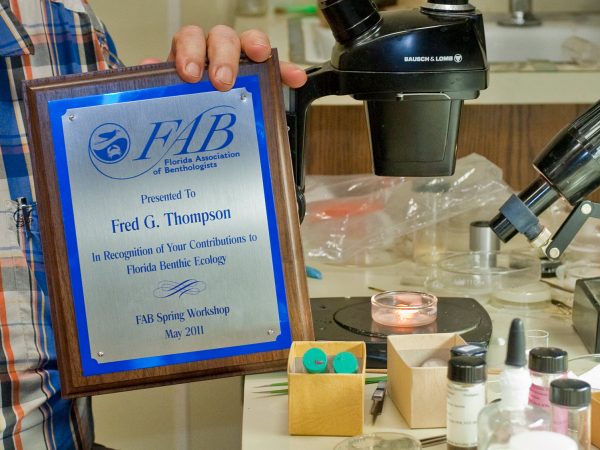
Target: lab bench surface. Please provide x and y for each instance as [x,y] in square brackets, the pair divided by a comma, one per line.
[265,417]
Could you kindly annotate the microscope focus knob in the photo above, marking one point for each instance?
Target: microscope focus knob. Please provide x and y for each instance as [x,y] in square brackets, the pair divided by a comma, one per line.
[449,6]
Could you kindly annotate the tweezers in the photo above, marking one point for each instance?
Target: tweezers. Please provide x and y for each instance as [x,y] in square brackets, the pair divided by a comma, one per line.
[431,441]
[378,398]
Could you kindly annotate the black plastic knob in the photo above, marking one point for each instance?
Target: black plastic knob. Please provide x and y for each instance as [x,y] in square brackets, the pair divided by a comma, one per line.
[449,6]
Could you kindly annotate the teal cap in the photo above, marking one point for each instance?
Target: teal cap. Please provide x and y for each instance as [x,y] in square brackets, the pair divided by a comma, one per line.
[315,360]
[345,362]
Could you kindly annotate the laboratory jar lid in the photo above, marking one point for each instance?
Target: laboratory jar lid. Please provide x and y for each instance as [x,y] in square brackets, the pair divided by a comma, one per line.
[315,360]
[570,392]
[548,360]
[345,362]
[468,350]
[467,369]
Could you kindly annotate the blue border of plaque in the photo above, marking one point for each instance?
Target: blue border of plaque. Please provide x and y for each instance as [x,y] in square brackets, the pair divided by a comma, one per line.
[91,366]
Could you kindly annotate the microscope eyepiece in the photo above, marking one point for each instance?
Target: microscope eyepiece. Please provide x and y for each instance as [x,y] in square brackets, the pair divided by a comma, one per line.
[349,19]
[519,213]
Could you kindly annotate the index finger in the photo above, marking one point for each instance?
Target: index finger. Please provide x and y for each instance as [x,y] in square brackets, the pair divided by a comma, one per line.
[223,56]
[188,50]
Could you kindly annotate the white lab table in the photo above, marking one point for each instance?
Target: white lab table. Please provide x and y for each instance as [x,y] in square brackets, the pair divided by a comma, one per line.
[265,418]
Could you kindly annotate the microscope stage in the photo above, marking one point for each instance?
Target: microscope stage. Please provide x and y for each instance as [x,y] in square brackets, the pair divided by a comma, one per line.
[349,319]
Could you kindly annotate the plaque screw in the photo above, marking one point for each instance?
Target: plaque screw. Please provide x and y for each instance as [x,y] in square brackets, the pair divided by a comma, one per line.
[586,209]
[243,97]
[71,117]
[101,354]
[554,252]
[270,332]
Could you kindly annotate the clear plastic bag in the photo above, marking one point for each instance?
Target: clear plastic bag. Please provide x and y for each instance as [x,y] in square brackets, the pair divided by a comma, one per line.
[365,220]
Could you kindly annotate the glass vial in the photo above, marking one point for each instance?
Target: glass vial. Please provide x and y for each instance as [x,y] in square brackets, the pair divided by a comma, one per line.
[499,421]
[546,364]
[570,409]
[430,241]
[466,397]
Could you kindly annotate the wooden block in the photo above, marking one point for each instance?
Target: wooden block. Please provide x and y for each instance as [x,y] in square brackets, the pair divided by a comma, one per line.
[596,419]
[418,392]
[326,404]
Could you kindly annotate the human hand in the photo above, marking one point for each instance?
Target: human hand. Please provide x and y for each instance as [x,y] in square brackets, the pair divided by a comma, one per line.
[190,49]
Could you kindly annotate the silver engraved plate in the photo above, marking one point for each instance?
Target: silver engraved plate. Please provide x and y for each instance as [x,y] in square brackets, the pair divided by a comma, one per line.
[171,225]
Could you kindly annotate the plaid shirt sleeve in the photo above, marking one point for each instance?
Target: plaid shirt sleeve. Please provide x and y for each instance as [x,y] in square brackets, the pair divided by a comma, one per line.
[38,38]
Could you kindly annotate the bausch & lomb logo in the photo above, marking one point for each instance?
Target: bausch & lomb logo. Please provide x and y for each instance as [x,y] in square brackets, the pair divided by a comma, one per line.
[457,58]
[180,144]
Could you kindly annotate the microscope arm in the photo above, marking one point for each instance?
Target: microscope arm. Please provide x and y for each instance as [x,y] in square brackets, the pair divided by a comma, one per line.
[322,81]
[570,227]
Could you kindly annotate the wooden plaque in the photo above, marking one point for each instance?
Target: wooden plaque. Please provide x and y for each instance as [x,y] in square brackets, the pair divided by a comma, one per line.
[169,226]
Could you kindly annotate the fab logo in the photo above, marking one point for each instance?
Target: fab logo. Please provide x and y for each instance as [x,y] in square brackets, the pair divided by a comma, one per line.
[109,143]
[115,155]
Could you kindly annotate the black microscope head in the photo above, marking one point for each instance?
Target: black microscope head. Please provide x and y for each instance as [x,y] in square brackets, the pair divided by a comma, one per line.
[413,69]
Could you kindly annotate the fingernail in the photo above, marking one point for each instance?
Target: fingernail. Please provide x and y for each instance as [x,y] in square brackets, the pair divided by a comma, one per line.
[263,44]
[224,75]
[193,70]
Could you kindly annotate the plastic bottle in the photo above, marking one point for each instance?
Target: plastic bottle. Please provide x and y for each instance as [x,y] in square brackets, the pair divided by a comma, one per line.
[570,407]
[546,364]
[466,397]
[500,421]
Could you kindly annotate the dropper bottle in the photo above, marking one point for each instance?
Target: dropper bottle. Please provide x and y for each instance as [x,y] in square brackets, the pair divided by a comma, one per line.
[512,414]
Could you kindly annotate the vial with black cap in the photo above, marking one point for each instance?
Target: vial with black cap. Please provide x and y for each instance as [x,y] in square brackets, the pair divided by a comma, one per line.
[546,364]
[512,415]
[466,397]
[570,407]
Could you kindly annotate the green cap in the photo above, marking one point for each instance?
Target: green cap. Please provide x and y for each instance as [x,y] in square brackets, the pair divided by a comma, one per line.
[315,360]
[345,362]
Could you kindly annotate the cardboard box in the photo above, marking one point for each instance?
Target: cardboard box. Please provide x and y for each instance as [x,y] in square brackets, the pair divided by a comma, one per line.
[326,404]
[419,392]
[596,419]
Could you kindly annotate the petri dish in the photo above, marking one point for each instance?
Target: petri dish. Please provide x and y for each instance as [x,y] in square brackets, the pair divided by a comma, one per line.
[404,308]
[483,273]
[569,273]
[534,299]
[531,293]
[380,441]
